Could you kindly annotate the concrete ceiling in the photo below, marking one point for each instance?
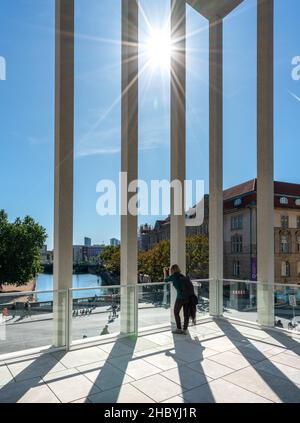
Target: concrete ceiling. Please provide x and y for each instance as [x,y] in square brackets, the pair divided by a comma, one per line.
[212,8]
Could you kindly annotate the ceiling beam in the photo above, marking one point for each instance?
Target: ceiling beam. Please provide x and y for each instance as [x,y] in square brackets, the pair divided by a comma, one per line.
[212,8]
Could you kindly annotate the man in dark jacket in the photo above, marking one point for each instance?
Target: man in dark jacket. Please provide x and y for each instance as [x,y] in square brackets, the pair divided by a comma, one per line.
[182,300]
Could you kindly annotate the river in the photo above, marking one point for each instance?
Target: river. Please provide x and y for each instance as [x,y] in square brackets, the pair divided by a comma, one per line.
[45,283]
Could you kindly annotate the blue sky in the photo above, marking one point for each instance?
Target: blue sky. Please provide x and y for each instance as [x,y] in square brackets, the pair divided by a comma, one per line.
[27,105]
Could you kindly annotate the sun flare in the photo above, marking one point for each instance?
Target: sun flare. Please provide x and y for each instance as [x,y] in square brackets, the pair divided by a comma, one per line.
[158,49]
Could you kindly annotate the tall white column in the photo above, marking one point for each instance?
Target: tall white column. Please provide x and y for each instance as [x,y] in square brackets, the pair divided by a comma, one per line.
[64,160]
[216,165]
[265,162]
[178,134]
[129,162]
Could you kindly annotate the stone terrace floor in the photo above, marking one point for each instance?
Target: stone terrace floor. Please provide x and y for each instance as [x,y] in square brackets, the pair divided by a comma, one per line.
[217,362]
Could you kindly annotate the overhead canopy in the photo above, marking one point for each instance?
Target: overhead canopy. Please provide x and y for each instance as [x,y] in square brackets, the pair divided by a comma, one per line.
[212,8]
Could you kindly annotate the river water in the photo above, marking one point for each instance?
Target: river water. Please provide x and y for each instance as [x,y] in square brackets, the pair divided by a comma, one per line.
[45,283]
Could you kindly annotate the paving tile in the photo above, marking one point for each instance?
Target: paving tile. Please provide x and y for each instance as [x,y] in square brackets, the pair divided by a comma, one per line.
[70,385]
[38,367]
[268,386]
[232,360]
[81,401]
[294,351]
[175,400]
[282,341]
[125,394]
[221,391]
[159,338]
[186,377]
[281,370]
[158,387]
[189,352]
[164,361]
[137,368]
[5,375]
[288,359]
[104,375]
[29,391]
[116,349]
[210,368]
[138,344]
[221,344]
[81,357]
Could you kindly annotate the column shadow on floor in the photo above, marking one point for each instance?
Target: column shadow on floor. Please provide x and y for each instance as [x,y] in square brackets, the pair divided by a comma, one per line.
[28,378]
[284,391]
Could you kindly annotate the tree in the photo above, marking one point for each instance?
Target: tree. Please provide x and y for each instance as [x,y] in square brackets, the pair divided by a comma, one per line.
[20,245]
[197,256]
[110,259]
[153,261]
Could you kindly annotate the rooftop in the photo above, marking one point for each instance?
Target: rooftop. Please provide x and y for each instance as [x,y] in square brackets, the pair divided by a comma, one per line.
[219,361]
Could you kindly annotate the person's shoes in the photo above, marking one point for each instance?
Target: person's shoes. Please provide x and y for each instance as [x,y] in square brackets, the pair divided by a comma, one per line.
[194,322]
[178,331]
[185,332]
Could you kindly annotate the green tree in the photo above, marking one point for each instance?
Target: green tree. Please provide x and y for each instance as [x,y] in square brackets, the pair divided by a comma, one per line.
[20,244]
[197,256]
[110,259]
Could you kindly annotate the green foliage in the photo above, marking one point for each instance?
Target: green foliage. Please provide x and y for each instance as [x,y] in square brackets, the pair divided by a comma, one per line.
[197,256]
[20,245]
[110,259]
[153,261]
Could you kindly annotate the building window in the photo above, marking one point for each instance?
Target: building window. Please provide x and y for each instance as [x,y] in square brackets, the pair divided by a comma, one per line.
[298,268]
[298,243]
[284,201]
[298,222]
[237,222]
[285,222]
[237,202]
[297,202]
[236,269]
[284,244]
[237,244]
[285,269]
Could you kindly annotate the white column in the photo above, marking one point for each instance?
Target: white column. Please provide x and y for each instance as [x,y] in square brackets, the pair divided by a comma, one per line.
[64,145]
[216,165]
[265,163]
[178,133]
[129,159]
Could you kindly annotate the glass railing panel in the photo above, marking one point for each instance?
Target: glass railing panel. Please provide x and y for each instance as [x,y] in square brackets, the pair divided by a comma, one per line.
[31,320]
[95,312]
[240,300]
[287,307]
[153,305]
[202,292]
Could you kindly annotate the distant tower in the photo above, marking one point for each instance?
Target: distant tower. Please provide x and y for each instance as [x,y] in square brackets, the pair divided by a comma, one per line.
[114,242]
[87,242]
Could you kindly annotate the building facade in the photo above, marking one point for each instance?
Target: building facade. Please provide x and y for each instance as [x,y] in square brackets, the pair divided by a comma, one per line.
[240,232]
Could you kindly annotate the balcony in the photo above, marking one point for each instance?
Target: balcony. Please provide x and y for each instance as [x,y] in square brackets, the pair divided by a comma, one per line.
[219,361]
[225,359]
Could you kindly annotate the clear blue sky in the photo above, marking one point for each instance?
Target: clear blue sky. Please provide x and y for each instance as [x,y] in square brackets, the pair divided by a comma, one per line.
[27,105]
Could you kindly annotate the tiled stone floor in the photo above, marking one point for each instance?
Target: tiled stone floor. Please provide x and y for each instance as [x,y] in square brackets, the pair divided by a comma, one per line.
[217,362]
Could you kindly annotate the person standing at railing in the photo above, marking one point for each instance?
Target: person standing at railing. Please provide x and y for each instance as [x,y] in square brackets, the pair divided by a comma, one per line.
[175,276]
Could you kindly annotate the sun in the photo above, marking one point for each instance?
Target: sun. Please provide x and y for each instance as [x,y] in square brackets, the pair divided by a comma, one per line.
[158,49]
